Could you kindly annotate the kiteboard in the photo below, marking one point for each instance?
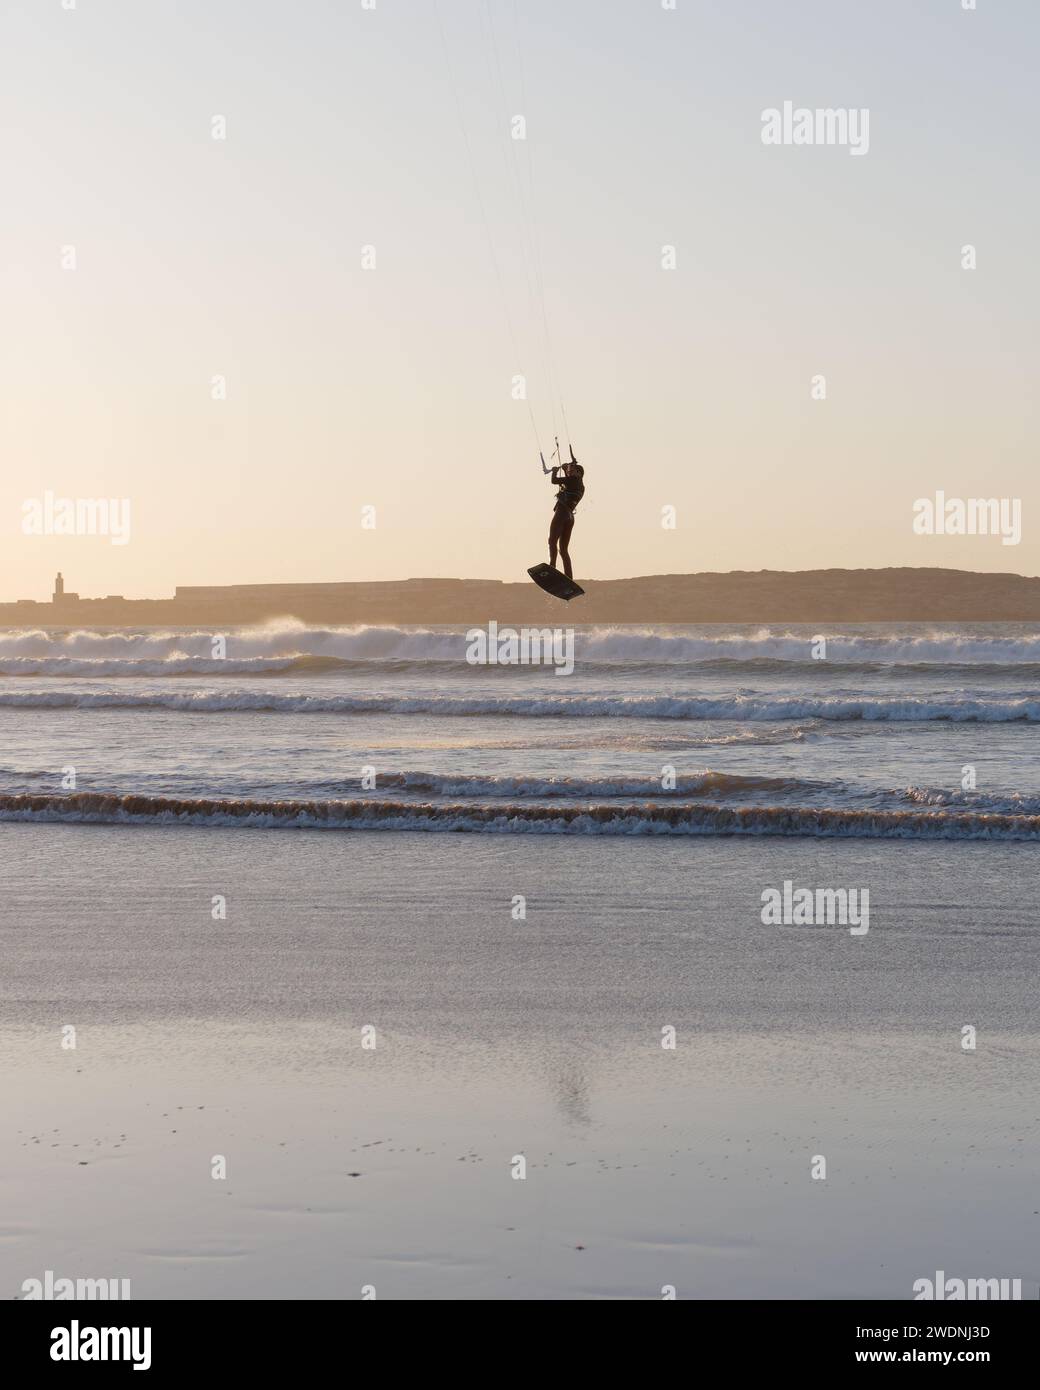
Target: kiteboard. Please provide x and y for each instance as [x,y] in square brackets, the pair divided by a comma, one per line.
[555,582]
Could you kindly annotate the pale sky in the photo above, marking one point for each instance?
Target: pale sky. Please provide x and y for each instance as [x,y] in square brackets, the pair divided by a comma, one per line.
[242,258]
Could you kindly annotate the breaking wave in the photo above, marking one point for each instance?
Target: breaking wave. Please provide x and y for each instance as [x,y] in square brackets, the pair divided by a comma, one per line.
[287,647]
[589,819]
[548,788]
[953,708]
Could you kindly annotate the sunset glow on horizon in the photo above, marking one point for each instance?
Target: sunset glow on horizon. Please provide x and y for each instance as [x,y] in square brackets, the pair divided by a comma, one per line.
[249,287]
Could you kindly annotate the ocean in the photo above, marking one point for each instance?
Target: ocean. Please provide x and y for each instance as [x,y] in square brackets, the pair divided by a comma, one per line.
[538,935]
[895,732]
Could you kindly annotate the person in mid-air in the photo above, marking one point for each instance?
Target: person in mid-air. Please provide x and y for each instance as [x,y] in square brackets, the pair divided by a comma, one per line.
[568,478]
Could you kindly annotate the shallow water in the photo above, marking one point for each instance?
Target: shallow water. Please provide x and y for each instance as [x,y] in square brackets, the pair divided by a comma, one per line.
[497,1038]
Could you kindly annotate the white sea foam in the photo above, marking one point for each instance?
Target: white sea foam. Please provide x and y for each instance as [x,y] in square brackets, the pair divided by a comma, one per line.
[282,645]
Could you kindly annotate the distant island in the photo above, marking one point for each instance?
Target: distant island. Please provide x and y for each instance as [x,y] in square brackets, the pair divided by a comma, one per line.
[741,596]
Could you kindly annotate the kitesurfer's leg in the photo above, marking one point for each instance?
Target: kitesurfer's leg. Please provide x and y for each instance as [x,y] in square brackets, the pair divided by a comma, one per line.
[554,535]
[566,527]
